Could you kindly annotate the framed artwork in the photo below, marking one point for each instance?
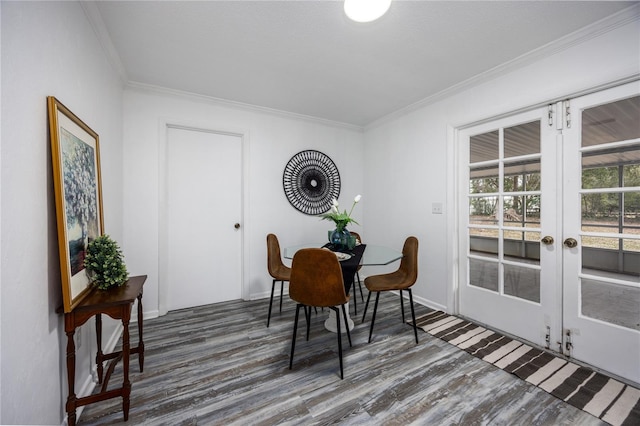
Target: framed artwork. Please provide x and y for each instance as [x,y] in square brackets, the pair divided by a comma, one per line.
[75,153]
[311,181]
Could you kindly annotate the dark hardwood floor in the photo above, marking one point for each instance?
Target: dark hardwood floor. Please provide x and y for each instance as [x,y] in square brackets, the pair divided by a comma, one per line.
[220,365]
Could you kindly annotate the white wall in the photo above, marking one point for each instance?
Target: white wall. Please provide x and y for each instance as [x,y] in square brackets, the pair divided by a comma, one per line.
[48,48]
[271,140]
[0,209]
[400,167]
[410,164]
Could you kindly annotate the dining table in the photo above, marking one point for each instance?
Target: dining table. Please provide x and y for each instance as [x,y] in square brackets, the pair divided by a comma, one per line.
[360,255]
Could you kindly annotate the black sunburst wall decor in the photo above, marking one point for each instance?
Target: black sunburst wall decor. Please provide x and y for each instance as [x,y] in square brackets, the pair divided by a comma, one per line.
[311,181]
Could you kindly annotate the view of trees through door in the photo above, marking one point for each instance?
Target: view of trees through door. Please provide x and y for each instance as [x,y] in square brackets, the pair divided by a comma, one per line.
[610,208]
[517,207]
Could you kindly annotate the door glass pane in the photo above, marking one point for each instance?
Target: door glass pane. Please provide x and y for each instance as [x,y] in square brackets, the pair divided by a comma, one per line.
[612,122]
[484,147]
[601,212]
[611,168]
[483,242]
[631,174]
[598,177]
[522,139]
[601,242]
[632,245]
[483,274]
[522,176]
[483,180]
[614,255]
[613,303]
[522,210]
[522,282]
[482,210]
[522,246]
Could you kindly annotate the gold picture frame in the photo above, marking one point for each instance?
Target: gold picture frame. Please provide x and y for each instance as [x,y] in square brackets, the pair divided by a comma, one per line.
[75,154]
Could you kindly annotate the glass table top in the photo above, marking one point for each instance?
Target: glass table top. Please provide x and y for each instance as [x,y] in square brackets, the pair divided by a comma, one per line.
[373,254]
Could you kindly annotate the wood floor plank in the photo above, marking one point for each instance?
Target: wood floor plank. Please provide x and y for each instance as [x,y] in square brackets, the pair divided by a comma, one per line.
[220,365]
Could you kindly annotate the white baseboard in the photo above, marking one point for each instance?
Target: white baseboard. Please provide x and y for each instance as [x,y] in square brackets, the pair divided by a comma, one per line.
[429,303]
[267,294]
[150,314]
[425,302]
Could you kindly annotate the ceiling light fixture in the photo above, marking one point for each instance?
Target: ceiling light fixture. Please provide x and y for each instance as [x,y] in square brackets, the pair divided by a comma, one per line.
[366,10]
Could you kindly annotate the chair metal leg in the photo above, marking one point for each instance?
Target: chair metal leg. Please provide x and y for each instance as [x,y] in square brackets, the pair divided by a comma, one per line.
[366,306]
[346,322]
[355,299]
[360,286]
[413,315]
[402,305]
[307,315]
[373,317]
[339,340]
[293,339]
[281,291]
[273,286]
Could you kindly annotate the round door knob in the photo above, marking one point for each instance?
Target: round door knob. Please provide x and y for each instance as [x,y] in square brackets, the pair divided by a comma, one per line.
[237,226]
[547,240]
[570,242]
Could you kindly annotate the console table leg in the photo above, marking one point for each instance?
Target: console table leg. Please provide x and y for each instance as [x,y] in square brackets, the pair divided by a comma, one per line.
[99,354]
[71,378]
[140,340]
[126,384]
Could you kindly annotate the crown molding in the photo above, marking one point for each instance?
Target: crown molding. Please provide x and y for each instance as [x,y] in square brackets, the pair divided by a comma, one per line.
[92,12]
[97,23]
[150,88]
[580,36]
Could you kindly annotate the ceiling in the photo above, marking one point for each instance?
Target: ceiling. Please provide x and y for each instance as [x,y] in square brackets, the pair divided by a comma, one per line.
[307,58]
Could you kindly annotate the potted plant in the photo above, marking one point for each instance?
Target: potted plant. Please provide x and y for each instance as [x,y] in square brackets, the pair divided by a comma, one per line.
[105,263]
[339,237]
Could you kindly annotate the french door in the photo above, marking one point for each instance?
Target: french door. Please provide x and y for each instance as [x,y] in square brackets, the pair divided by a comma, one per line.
[601,275]
[509,207]
[550,227]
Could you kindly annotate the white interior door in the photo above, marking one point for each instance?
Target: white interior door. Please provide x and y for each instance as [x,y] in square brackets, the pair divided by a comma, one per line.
[202,253]
[602,218]
[508,206]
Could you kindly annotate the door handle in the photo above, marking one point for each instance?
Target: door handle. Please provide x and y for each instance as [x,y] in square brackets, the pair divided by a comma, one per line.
[570,243]
[547,240]
[237,226]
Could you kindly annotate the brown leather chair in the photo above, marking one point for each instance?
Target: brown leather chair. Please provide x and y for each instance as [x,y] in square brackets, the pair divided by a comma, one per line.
[278,270]
[355,303]
[316,280]
[399,280]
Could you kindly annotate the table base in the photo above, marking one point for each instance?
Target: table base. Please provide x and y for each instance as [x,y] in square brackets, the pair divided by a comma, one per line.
[330,323]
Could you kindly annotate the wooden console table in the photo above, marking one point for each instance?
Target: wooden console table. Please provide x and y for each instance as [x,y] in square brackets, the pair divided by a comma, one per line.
[117,303]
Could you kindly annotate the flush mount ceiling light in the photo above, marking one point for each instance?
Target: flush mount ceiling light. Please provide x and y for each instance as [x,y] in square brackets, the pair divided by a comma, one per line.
[366,10]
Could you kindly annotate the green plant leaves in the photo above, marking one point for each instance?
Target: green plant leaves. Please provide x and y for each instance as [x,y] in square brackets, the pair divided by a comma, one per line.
[105,263]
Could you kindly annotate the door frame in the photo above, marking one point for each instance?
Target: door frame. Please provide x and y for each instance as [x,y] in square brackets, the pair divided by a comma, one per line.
[163,127]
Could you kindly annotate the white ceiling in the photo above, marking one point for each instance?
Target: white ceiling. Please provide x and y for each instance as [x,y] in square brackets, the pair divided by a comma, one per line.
[306,57]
